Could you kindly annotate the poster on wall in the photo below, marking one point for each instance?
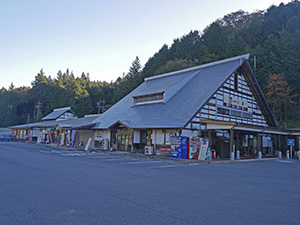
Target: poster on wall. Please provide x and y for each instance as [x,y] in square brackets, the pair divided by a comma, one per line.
[98,136]
[168,137]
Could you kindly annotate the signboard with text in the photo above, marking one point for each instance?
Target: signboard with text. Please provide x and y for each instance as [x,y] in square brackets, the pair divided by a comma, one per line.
[234,102]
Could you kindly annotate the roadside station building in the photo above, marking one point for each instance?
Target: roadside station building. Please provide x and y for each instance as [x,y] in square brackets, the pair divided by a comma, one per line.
[220,101]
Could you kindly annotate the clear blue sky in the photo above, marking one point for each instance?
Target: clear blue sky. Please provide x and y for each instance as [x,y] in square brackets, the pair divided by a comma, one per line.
[96,36]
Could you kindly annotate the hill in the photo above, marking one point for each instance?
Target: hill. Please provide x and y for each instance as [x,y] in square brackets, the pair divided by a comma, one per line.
[271,36]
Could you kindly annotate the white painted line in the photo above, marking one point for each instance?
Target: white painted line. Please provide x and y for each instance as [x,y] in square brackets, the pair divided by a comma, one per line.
[193,164]
[166,166]
[56,151]
[45,152]
[284,161]
[99,157]
[140,162]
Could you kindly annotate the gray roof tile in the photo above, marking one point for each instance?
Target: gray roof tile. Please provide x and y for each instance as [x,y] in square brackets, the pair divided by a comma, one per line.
[185,91]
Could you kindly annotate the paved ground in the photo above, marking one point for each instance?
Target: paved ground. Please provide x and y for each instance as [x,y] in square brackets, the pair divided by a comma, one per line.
[43,185]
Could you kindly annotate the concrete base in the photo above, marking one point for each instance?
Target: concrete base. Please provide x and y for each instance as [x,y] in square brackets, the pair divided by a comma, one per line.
[259,155]
[232,156]
[238,154]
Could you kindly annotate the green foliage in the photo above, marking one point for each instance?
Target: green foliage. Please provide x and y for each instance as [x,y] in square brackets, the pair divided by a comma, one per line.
[272,36]
[174,65]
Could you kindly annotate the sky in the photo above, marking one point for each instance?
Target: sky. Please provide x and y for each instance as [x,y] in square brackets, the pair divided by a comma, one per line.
[98,37]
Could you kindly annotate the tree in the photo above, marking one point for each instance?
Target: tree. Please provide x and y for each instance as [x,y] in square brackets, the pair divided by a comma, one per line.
[279,95]
[135,69]
[174,65]
[40,78]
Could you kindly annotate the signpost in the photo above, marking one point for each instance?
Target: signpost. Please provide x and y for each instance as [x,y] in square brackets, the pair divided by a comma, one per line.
[291,143]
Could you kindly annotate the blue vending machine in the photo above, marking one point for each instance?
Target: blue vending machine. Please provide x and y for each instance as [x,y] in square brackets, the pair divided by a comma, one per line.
[179,147]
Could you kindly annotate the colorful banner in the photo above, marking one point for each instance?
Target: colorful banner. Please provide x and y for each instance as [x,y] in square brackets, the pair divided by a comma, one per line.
[73,137]
[67,138]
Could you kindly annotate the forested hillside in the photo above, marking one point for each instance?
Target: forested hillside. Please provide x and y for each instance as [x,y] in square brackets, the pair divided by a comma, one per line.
[271,36]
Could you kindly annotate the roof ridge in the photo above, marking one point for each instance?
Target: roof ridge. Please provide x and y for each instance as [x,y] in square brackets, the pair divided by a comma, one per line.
[65,108]
[245,57]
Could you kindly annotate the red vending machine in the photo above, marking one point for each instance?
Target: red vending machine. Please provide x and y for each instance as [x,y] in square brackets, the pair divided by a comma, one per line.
[193,147]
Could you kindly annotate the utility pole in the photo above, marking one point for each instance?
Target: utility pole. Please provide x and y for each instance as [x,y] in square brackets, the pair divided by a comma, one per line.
[28,119]
[101,106]
[254,65]
[38,106]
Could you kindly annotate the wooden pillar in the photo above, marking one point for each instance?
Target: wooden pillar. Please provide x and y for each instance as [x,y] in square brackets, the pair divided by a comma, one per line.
[285,143]
[238,142]
[279,143]
[231,144]
[209,138]
[154,142]
[259,145]
[231,140]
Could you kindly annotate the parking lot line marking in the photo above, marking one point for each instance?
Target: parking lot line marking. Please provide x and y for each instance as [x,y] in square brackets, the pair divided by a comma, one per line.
[45,152]
[284,161]
[111,159]
[166,166]
[55,151]
[140,162]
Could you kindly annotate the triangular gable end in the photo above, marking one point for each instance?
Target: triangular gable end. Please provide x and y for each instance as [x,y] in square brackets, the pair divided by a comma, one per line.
[239,99]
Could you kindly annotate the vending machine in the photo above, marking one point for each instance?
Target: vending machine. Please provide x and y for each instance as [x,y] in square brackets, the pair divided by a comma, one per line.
[179,146]
[193,147]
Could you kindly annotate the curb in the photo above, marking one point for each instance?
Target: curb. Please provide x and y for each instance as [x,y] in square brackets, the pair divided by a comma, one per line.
[158,157]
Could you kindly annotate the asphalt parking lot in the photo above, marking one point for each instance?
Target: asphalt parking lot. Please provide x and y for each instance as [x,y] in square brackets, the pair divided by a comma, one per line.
[44,185]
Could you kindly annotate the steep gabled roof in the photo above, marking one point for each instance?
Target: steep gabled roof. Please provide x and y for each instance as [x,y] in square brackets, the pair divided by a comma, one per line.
[57,113]
[185,93]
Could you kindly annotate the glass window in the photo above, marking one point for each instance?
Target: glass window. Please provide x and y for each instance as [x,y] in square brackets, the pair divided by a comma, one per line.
[148,98]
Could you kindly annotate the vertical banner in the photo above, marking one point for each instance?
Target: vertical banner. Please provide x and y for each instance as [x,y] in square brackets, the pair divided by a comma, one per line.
[30,135]
[67,138]
[203,149]
[73,137]
[62,140]
[48,136]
